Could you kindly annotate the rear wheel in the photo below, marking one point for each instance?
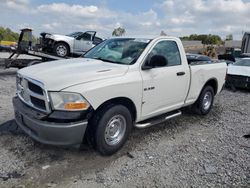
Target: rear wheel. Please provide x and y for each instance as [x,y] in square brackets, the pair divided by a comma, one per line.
[205,101]
[61,49]
[112,126]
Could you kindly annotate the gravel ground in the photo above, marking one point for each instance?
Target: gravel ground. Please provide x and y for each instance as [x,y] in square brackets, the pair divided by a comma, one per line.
[189,151]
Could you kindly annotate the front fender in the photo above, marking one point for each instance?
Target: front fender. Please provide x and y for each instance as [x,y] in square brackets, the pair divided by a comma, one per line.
[65,39]
[98,92]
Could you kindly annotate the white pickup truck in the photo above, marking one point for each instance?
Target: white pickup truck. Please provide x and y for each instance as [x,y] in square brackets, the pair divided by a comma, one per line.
[120,83]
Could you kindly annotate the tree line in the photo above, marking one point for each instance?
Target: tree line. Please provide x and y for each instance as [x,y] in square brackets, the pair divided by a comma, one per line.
[7,35]
[206,39]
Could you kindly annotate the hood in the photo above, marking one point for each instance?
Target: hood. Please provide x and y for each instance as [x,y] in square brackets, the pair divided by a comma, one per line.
[58,75]
[239,70]
[58,37]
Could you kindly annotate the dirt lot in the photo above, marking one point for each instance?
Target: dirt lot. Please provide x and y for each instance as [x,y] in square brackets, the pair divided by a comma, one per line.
[189,151]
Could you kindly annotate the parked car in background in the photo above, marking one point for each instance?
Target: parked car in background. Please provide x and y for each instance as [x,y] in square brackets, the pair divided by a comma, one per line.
[238,74]
[191,58]
[74,43]
[235,52]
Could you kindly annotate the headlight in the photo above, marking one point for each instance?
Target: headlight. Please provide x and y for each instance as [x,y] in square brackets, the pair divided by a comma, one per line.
[68,101]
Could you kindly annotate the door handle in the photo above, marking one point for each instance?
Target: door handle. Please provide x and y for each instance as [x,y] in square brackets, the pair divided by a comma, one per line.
[180,73]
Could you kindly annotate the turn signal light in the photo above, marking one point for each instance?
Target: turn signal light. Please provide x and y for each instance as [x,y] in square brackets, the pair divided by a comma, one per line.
[76,106]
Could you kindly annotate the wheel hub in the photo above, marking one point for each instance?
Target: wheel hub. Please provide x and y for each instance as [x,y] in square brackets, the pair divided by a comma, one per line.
[207,100]
[115,130]
[61,50]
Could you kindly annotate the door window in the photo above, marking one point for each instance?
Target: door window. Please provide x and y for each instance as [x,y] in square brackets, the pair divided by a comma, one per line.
[85,36]
[169,50]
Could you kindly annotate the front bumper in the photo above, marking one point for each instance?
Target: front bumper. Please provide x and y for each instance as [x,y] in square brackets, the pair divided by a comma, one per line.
[52,133]
[238,81]
[47,44]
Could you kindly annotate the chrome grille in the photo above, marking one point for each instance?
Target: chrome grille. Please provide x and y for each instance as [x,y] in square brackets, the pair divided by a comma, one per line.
[32,93]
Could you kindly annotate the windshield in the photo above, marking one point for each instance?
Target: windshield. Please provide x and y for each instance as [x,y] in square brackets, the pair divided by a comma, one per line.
[243,62]
[75,34]
[121,51]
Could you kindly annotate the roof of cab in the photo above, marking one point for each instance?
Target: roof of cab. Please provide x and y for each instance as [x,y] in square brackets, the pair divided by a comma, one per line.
[149,37]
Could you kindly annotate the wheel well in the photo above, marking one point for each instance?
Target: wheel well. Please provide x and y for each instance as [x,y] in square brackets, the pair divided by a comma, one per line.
[57,42]
[123,101]
[213,83]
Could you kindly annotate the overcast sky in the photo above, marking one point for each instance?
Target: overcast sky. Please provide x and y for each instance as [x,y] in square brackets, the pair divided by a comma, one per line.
[138,17]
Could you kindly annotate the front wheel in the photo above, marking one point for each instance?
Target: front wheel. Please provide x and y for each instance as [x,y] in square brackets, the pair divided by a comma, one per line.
[112,128]
[61,49]
[205,101]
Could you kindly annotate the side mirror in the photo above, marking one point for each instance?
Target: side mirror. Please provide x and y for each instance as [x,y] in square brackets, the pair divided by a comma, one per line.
[155,61]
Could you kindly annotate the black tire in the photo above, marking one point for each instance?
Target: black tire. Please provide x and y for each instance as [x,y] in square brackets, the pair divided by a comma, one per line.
[61,49]
[99,125]
[200,106]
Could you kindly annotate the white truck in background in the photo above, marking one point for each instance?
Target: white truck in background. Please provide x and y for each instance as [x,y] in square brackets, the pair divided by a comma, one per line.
[120,83]
[73,43]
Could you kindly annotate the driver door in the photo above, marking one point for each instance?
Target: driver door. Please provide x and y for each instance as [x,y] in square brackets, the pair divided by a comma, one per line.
[164,88]
[84,42]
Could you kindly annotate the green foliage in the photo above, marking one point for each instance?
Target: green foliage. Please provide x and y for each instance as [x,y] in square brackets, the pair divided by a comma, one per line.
[229,37]
[206,39]
[8,35]
[118,31]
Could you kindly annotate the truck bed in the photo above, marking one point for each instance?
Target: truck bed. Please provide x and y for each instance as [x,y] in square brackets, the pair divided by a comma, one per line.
[202,72]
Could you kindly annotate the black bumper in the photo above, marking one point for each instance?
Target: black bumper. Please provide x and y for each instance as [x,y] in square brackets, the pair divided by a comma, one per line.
[47,132]
[46,44]
[238,81]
